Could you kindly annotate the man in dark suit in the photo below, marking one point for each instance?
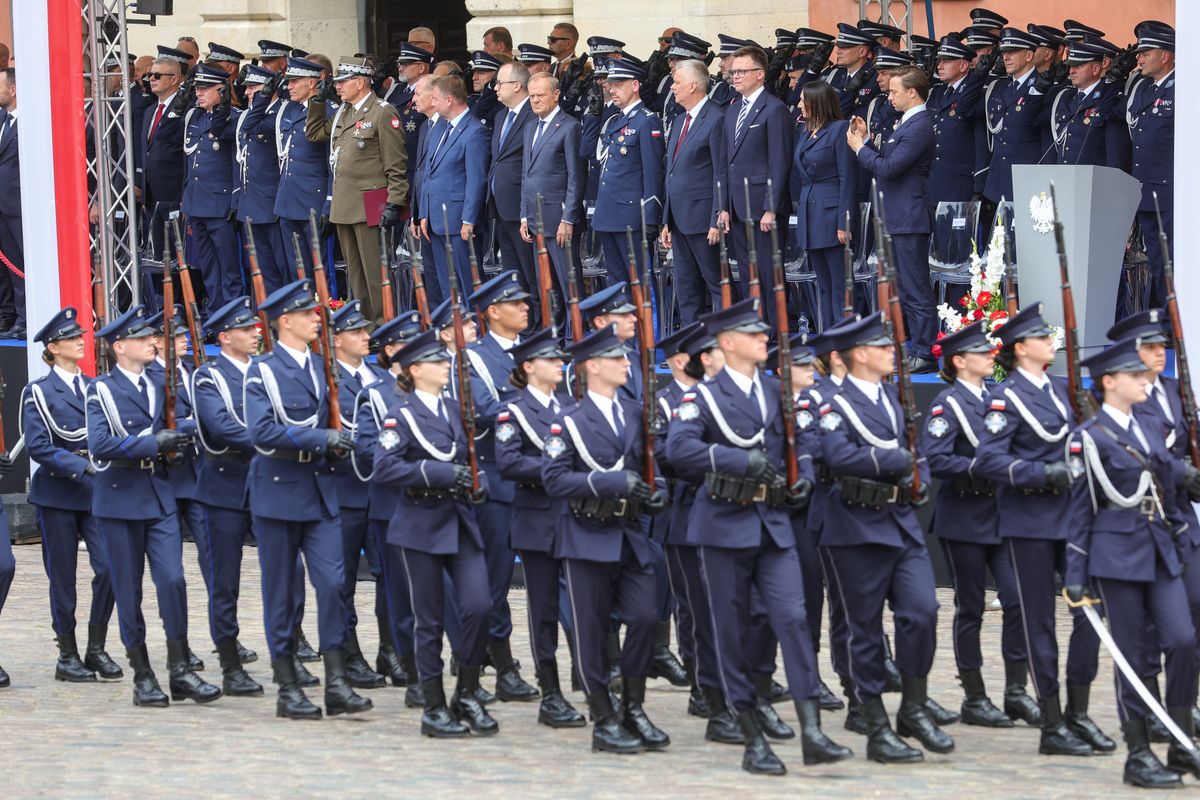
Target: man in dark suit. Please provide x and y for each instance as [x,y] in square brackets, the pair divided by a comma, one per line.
[12,242]
[160,161]
[552,169]
[901,169]
[504,175]
[691,204]
[758,142]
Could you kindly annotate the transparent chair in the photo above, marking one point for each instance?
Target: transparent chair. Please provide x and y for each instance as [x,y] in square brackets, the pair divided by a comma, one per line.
[954,226]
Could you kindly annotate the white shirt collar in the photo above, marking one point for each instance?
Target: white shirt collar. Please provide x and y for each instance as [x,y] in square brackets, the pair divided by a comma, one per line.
[12,113]
[837,379]
[431,401]
[299,356]
[975,390]
[1019,80]
[133,377]
[67,377]
[1119,417]
[696,108]
[1165,78]
[683,388]
[869,388]
[505,344]
[954,86]
[550,116]
[1037,380]
[454,122]
[1088,90]
[167,102]
[540,396]
[744,382]
[754,95]
[362,101]
[605,405]
[625,111]
[243,366]
[912,112]
[520,105]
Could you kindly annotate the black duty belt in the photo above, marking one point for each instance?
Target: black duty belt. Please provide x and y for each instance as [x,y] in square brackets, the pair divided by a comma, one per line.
[296,456]
[435,494]
[973,487]
[1147,507]
[742,490]
[1037,492]
[530,486]
[147,464]
[824,474]
[605,509]
[236,456]
[876,495]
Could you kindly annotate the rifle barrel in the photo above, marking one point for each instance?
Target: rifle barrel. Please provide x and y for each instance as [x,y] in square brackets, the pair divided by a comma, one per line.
[461,367]
[1183,372]
[327,350]
[787,398]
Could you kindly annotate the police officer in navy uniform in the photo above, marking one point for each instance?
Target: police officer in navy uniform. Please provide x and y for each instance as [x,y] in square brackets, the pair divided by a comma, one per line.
[421,457]
[955,107]
[293,500]
[220,490]
[608,308]
[521,430]
[483,101]
[1088,118]
[258,167]
[855,79]
[395,660]
[1124,552]
[134,505]
[414,63]
[1013,106]
[874,544]
[304,181]
[1022,450]
[964,521]
[55,431]
[683,46]
[881,116]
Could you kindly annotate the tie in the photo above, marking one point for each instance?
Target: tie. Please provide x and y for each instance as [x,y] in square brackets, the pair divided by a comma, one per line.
[541,128]
[554,406]
[754,402]
[618,421]
[158,114]
[886,408]
[441,142]
[79,387]
[737,131]
[508,121]
[1137,433]
[357,380]
[441,409]
[142,391]
[687,123]
[1163,403]
[311,369]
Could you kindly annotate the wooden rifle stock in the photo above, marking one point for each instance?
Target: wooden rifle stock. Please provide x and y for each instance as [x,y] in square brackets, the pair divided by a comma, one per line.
[646,334]
[298,254]
[1183,373]
[328,349]
[481,317]
[259,287]
[170,357]
[1081,402]
[418,279]
[100,312]
[191,309]
[575,317]
[385,276]
[787,398]
[462,369]
[543,269]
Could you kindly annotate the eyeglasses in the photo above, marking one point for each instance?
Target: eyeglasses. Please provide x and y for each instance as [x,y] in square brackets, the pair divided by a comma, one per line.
[158,76]
[553,39]
[501,83]
[187,39]
[741,73]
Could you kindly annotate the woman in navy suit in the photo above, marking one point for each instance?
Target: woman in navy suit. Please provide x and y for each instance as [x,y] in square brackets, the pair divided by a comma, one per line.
[421,455]
[824,172]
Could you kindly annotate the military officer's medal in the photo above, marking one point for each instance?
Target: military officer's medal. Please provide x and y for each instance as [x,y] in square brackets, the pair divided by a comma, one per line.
[624,151]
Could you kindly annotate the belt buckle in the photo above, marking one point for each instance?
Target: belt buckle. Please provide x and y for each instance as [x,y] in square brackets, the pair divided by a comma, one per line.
[1147,507]
[621,507]
[760,494]
[304,457]
[894,497]
[146,463]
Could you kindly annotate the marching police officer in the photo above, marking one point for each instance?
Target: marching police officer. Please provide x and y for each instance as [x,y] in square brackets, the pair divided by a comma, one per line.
[607,308]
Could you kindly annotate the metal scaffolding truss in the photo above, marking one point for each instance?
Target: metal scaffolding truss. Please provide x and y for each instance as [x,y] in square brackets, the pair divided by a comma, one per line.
[114,237]
[882,11]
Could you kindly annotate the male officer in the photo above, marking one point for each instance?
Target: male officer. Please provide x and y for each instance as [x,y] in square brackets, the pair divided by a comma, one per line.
[258,162]
[135,507]
[630,152]
[273,55]
[221,482]
[483,101]
[608,308]
[955,107]
[535,57]
[881,116]
[855,80]
[414,64]
[304,180]
[504,173]
[159,159]
[731,429]
[1087,119]
[684,46]
[696,165]
[12,239]
[293,500]
[1012,107]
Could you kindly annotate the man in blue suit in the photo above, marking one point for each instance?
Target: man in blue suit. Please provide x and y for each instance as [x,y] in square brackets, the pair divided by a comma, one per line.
[455,179]
[304,182]
[758,143]
[691,203]
[258,160]
[159,160]
[504,174]
[901,170]
[422,100]
[1013,107]
[12,240]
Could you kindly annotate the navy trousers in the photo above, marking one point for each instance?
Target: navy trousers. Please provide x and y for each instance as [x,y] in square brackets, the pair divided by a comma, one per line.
[280,542]
[1034,564]
[467,570]
[830,267]
[598,590]
[869,575]
[969,564]
[130,543]
[395,583]
[357,539]
[916,292]
[226,530]
[1148,223]
[810,568]
[839,627]
[518,254]
[441,271]
[61,530]
[614,248]
[697,274]
[685,622]
[494,518]
[218,257]
[541,587]
[739,250]
[12,286]
[729,578]
[694,622]
[274,257]
[191,514]
[663,601]
[433,286]
[8,564]
[300,227]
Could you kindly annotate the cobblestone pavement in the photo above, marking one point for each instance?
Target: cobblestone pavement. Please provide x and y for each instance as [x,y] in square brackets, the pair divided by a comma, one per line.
[70,740]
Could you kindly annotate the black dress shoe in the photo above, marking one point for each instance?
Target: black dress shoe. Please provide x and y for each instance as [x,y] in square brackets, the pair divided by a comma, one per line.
[69,667]
[918,365]
[1142,767]
[1078,720]
[633,697]
[1179,758]
[697,704]
[303,650]
[758,758]
[185,683]
[340,697]
[776,692]
[894,681]
[664,664]
[245,654]
[510,686]
[466,708]
[554,711]
[358,671]
[436,721]
[96,658]
[483,696]
[977,709]
[940,715]
[387,664]
[771,723]
[235,681]
[913,720]
[290,701]
[304,678]
[817,747]
[1158,732]
[828,700]
[194,662]
[883,745]
[5,681]
[1057,738]
[1018,704]
[1195,718]
[414,692]
[146,691]
[17,331]
[723,726]
[608,734]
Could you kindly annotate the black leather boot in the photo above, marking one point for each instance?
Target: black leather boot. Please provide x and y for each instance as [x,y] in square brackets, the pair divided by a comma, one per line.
[245,654]
[1142,767]
[768,719]
[828,700]
[977,708]
[1195,718]
[778,693]
[414,693]
[940,715]
[818,748]
[1158,732]
[303,676]
[97,658]
[69,667]
[465,706]
[5,681]
[759,758]
[1078,720]
[387,660]
[723,727]
[608,734]
[913,717]
[554,711]
[883,745]
[146,691]
[510,686]
[437,721]
[1057,738]
[340,697]
[358,671]
[1018,704]
[855,721]
[698,703]
[185,683]
[633,697]
[612,646]
[664,664]
[235,681]
[303,650]
[290,700]
[895,682]
[1179,758]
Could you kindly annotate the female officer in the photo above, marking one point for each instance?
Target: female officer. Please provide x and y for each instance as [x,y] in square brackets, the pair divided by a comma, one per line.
[421,456]
[1021,450]
[824,172]
[52,418]
[521,430]
[1123,543]
[964,521]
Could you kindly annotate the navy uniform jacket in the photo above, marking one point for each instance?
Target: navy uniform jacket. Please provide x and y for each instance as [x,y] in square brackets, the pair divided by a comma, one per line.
[419,450]
[957,117]
[1090,128]
[55,430]
[290,420]
[671,527]
[589,147]
[455,176]
[818,395]
[854,105]
[221,429]
[1012,117]
[258,159]
[505,171]
[1120,543]
[210,145]
[304,179]
[901,169]
[371,409]
[181,476]
[882,118]
[1153,419]
[554,169]
[1013,453]
[698,443]
[631,172]
[521,431]
[824,184]
[579,435]
[1151,117]
[351,488]
[951,435]
[411,121]
[120,427]
[690,200]
[857,440]
[490,367]
[764,150]
[160,164]
[485,105]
